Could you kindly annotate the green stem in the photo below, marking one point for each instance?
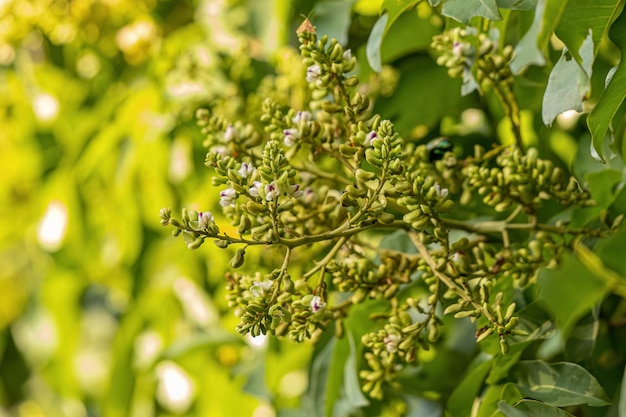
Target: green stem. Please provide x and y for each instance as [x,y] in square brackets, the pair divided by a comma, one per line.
[330,255]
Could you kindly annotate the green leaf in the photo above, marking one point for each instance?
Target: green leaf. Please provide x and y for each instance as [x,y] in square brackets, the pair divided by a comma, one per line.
[579,346]
[489,401]
[422,407]
[503,363]
[611,251]
[569,292]
[561,384]
[408,35]
[374,42]
[333,18]
[602,187]
[605,109]
[525,5]
[529,50]
[568,84]
[314,400]
[395,8]
[582,17]
[460,402]
[351,381]
[419,96]
[464,10]
[622,397]
[530,408]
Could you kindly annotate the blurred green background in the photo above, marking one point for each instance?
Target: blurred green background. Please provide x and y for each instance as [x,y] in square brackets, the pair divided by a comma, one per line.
[102,312]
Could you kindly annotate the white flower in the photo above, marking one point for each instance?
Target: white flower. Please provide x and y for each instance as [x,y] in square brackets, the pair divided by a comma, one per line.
[220,150]
[227,197]
[290,136]
[295,191]
[370,137]
[391,342]
[246,170]
[313,73]
[317,304]
[441,192]
[255,189]
[204,219]
[230,133]
[259,288]
[347,55]
[308,196]
[271,191]
[301,116]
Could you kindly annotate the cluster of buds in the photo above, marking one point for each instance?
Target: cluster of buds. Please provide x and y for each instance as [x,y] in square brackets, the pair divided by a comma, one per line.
[475,56]
[311,184]
[518,178]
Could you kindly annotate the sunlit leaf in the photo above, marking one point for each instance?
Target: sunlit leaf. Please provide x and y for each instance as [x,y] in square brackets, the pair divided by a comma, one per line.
[464,10]
[561,384]
[569,84]
[529,50]
[374,42]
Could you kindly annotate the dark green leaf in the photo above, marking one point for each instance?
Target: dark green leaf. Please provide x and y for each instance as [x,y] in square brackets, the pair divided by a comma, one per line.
[489,401]
[579,346]
[374,42]
[569,84]
[460,402]
[600,117]
[529,408]
[582,18]
[464,10]
[570,292]
[408,35]
[503,363]
[394,8]
[601,185]
[529,50]
[611,251]
[561,384]
[419,97]
[525,5]
[622,397]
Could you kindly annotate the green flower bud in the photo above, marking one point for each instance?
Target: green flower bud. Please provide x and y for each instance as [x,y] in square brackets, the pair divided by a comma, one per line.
[238,259]
[196,243]
[504,346]
[244,224]
[222,244]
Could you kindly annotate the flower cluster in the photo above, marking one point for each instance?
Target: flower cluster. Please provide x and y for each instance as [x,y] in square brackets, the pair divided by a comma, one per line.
[314,185]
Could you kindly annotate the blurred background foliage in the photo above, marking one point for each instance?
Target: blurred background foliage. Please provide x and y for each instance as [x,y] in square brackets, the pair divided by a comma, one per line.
[101,312]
